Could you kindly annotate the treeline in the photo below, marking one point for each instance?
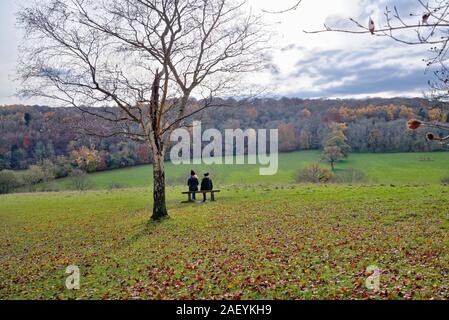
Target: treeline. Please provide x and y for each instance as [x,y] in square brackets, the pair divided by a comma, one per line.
[32,135]
[374,125]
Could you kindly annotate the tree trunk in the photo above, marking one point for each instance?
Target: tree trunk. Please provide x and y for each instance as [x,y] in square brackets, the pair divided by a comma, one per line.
[159,205]
[157,147]
[333,165]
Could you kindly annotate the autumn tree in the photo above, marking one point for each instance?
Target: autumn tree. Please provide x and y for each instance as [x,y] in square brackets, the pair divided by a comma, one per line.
[333,154]
[305,113]
[406,112]
[305,139]
[147,58]
[287,137]
[375,138]
[144,154]
[86,159]
[335,145]
[436,114]
[252,113]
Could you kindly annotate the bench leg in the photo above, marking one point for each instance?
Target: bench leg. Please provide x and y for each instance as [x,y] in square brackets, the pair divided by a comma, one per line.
[190,197]
[212,196]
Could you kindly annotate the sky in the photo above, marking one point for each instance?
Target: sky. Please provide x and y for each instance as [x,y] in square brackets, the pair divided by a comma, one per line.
[327,65]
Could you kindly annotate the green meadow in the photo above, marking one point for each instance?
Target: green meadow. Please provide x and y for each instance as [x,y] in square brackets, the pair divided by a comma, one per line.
[265,237]
[289,242]
[382,168]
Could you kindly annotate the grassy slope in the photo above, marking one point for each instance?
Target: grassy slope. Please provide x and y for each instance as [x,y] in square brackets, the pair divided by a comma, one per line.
[380,168]
[255,242]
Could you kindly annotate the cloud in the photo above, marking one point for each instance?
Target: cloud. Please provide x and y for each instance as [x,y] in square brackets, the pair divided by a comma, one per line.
[345,65]
[304,65]
[367,81]
[341,73]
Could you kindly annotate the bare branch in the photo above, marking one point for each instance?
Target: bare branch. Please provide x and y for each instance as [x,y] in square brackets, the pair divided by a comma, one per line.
[294,7]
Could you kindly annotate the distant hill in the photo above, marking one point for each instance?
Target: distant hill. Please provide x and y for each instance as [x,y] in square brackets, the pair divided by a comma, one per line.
[32,134]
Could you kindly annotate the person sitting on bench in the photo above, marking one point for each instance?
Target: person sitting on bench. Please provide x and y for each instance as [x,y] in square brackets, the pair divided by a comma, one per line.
[206,185]
[193,184]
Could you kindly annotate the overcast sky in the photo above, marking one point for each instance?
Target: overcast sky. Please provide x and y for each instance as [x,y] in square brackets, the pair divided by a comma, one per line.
[307,66]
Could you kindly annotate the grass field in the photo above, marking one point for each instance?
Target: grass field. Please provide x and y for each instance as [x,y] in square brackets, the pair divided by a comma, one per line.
[291,242]
[265,237]
[396,168]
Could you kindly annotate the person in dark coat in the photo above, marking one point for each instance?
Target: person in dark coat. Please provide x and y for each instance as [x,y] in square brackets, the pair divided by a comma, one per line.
[206,185]
[193,183]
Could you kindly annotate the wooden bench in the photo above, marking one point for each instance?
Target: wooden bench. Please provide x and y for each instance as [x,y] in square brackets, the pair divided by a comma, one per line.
[212,194]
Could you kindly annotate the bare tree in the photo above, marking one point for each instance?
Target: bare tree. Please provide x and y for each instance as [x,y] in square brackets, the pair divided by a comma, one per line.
[428,26]
[147,58]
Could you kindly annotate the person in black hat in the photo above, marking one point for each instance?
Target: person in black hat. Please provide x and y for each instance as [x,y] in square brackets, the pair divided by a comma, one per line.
[206,185]
[193,183]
